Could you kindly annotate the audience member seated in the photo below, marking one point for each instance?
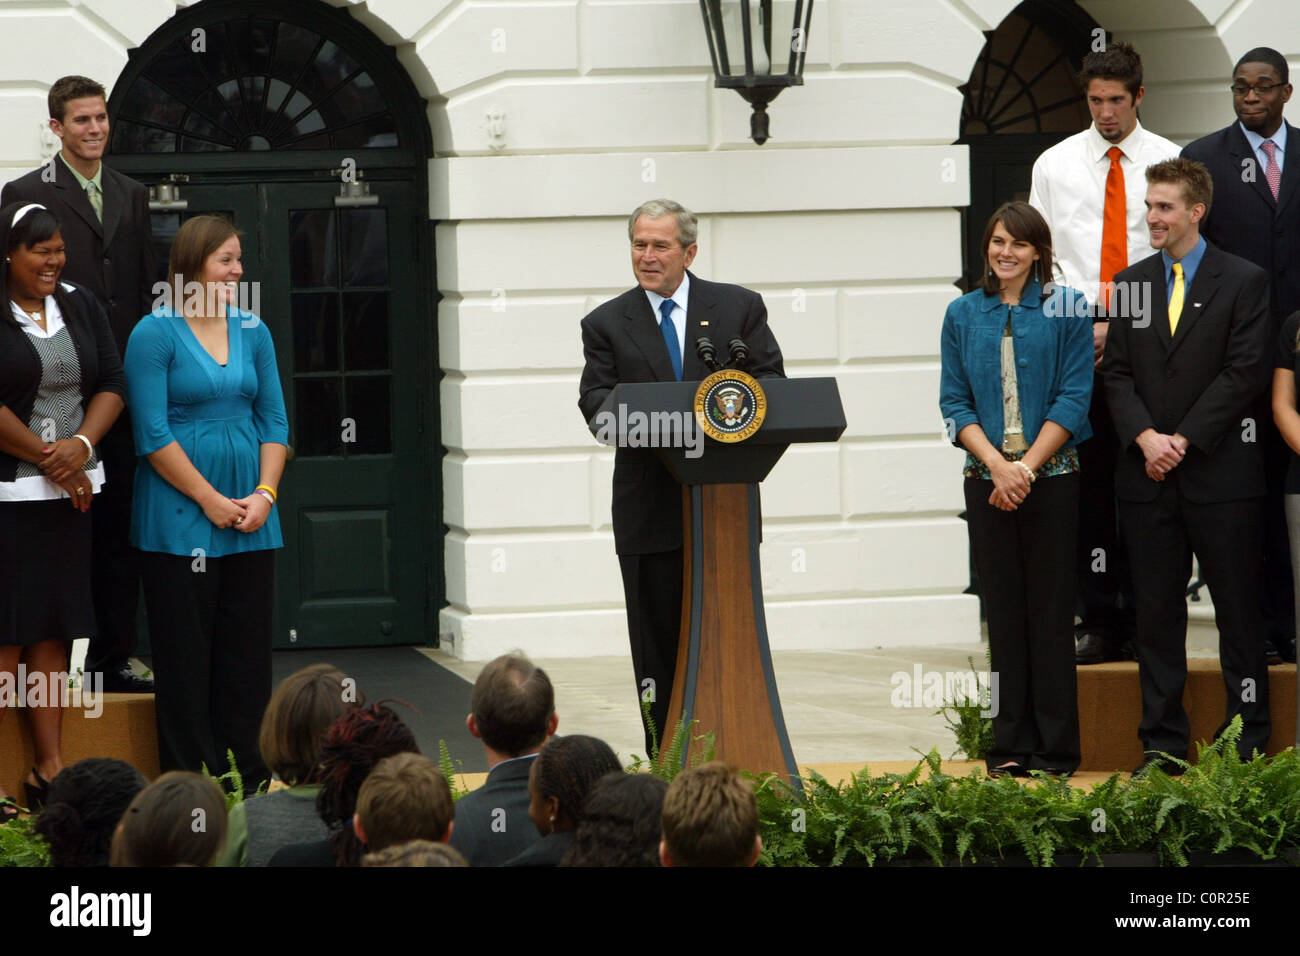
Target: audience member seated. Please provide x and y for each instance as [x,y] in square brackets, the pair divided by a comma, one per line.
[415,853]
[621,822]
[178,820]
[405,798]
[710,819]
[302,709]
[512,710]
[86,803]
[357,741]
[561,777]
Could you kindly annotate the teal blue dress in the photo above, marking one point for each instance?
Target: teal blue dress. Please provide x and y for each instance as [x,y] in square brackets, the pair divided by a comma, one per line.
[220,415]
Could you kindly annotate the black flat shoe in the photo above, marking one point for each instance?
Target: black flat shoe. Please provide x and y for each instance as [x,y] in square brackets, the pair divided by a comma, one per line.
[37,795]
[1010,768]
[8,811]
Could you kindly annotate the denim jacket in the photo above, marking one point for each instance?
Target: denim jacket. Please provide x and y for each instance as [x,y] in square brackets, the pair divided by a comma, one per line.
[1053,349]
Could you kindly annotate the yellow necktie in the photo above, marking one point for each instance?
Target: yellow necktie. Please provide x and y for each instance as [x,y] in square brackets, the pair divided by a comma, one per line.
[1176,300]
[96,200]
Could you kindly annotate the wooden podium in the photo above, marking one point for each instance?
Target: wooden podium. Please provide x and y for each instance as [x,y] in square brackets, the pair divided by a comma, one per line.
[724,675]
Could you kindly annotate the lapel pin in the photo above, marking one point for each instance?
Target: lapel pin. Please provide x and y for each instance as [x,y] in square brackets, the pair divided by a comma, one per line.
[704,322]
[1196,305]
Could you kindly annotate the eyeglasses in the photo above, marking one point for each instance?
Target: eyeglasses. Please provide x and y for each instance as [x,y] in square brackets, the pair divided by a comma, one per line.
[1241,89]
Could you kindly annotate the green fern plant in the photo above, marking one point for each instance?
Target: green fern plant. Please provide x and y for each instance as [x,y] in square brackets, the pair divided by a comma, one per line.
[231,783]
[964,717]
[450,770]
[20,845]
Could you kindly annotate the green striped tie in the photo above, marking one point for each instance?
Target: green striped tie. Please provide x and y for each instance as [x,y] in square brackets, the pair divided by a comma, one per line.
[96,199]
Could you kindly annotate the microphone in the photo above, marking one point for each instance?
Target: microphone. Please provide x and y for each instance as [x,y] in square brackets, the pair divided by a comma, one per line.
[704,349]
[739,353]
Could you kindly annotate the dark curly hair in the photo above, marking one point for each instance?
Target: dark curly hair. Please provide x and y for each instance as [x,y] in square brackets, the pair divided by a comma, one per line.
[621,822]
[567,768]
[85,804]
[351,748]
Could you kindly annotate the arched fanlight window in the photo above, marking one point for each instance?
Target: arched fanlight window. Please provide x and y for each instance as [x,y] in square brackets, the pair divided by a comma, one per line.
[252,82]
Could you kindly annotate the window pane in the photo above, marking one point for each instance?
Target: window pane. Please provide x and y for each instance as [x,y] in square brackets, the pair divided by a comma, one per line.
[130,137]
[365,330]
[365,246]
[315,332]
[312,248]
[370,407]
[318,425]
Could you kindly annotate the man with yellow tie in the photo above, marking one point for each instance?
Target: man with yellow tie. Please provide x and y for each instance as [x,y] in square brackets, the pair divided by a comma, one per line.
[1186,358]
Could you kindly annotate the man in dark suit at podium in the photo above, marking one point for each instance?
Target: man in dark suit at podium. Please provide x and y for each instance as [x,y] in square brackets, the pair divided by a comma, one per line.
[647,334]
[104,220]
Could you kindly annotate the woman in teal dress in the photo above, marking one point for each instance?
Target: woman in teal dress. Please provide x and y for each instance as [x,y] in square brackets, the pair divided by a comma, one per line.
[211,432]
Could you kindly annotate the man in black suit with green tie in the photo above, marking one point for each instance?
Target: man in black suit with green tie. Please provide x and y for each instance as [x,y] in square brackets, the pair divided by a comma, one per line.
[104,221]
[647,334]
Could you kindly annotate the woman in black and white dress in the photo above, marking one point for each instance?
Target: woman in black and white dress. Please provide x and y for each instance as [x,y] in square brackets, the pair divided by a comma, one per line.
[61,387]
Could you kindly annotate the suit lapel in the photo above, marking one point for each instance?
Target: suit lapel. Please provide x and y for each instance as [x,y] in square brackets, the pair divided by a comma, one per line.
[643,328]
[1240,150]
[112,207]
[74,197]
[1196,299]
[699,321]
[1290,171]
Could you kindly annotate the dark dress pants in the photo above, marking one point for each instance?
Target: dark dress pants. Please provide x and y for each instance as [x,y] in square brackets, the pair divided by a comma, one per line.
[1277,597]
[210,631]
[1226,537]
[115,564]
[1105,601]
[1026,568]
[652,588]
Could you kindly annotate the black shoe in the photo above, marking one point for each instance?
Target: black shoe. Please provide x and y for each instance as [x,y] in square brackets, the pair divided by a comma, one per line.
[126,681]
[1010,769]
[1092,648]
[1288,651]
[1154,760]
[1271,654]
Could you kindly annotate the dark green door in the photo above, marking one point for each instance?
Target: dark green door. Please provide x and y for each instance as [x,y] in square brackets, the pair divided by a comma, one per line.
[339,289]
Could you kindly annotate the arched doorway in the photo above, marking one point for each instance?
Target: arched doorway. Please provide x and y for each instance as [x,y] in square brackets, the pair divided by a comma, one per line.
[1023,96]
[262,111]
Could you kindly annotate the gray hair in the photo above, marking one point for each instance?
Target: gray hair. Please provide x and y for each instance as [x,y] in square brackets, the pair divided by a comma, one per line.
[688,227]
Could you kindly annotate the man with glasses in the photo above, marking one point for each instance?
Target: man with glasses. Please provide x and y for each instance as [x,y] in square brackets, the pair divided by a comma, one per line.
[1256,215]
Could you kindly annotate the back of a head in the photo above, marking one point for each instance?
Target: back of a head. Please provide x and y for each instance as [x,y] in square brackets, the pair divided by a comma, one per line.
[405,798]
[352,746]
[568,767]
[86,802]
[415,853]
[302,709]
[621,822]
[710,817]
[512,703]
[178,820]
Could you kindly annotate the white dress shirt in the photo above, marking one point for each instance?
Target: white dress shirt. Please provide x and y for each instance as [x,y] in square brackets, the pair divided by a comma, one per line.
[1256,141]
[1069,189]
[678,314]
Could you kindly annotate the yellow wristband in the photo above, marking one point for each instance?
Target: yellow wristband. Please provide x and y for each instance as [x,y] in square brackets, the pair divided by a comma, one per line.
[269,490]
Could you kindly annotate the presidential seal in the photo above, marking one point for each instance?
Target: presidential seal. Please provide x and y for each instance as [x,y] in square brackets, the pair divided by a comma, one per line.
[730,405]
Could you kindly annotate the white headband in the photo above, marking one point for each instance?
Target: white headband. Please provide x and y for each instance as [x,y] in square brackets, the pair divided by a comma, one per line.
[24,211]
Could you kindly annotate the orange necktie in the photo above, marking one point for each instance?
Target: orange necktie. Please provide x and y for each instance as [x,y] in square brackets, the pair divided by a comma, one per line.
[1114,227]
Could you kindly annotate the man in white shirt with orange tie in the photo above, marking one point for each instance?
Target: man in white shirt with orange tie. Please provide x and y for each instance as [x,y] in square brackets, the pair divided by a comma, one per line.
[1091,189]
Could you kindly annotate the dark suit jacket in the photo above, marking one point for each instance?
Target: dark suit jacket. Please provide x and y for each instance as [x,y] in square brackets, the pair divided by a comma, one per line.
[622,343]
[486,837]
[1244,219]
[1201,383]
[113,259]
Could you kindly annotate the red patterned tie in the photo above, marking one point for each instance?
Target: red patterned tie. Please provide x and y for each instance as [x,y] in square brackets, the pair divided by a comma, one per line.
[1114,227]
[1271,172]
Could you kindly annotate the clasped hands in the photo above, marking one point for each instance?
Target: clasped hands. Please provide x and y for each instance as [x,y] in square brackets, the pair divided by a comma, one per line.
[1163,453]
[1011,485]
[62,465]
[243,514]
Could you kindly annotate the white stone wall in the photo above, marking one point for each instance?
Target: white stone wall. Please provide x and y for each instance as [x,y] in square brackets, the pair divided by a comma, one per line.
[551,120]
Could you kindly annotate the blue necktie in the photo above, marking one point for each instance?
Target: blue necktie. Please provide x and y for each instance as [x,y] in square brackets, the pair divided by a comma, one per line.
[670,336]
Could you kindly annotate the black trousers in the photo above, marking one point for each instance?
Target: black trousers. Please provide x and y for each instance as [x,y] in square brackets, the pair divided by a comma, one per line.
[1105,602]
[1226,536]
[1025,560]
[115,565]
[1277,599]
[652,588]
[210,630]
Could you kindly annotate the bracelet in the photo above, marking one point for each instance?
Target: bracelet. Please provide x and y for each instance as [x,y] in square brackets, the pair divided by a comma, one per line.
[265,493]
[1028,471]
[90,449]
[270,491]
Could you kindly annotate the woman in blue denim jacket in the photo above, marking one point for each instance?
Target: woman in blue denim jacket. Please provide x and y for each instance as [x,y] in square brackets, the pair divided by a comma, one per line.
[1015,388]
